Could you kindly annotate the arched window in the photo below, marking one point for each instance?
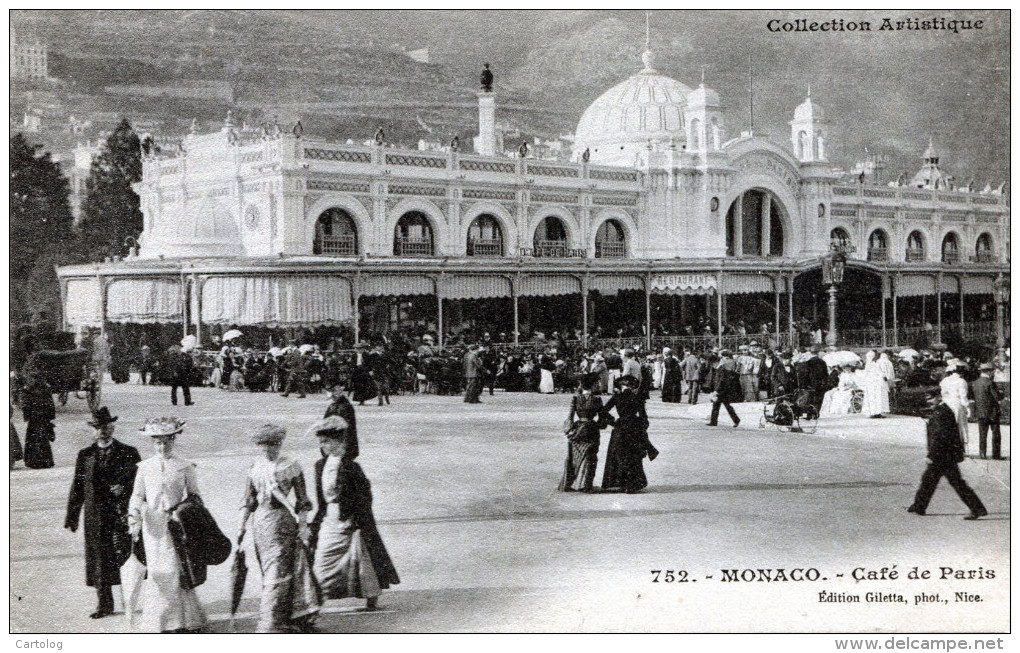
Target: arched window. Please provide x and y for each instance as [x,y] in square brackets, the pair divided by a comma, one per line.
[915,246]
[983,251]
[878,246]
[485,237]
[754,225]
[950,249]
[839,237]
[335,234]
[550,237]
[413,235]
[716,135]
[819,146]
[695,134]
[803,145]
[610,241]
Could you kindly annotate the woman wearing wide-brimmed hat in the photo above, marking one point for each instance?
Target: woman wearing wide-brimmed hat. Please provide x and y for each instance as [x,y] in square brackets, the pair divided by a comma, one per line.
[163,481]
[587,416]
[290,598]
[350,557]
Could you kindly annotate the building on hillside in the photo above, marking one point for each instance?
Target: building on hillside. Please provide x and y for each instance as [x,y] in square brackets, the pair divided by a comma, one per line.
[29,58]
[664,228]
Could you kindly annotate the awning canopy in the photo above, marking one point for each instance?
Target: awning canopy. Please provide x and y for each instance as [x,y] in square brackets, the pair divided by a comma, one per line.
[277,301]
[611,284]
[396,285]
[475,287]
[913,285]
[684,284]
[84,303]
[950,285]
[542,286]
[978,286]
[144,301]
[736,284]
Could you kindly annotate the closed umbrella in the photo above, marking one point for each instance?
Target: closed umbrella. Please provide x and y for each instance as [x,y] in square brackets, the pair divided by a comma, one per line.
[230,335]
[238,575]
[132,575]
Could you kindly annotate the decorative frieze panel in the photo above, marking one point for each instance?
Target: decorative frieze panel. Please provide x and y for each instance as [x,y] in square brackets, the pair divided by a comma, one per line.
[344,156]
[882,215]
[428,191]
[954,216]
[552,171]
[479,194]
[223,191]
[613,175]
[984,200]
[415,160]
[919,215]
[956,199]
[614,201]
[915,195]
[339,186]
[486,166]
[255,187]
[557,198]
[252,157]
[879,192]
[844,211]
[844,192]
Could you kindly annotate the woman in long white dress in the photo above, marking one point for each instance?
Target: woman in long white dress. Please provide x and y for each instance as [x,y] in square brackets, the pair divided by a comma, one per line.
[876,398]
[954,395]
[839,400]
[163,481]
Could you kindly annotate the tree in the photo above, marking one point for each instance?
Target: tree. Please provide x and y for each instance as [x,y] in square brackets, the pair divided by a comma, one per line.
[41,220]
[111,211]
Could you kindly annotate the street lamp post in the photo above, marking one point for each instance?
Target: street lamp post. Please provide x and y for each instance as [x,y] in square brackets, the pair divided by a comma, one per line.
[833,266]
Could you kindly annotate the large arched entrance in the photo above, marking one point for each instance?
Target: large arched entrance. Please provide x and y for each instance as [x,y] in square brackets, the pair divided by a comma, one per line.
[859,312]
[754,225]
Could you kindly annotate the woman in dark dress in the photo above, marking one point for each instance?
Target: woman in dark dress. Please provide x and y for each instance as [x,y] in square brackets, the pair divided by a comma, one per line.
[17,453]
[583,437]
[363,385]
[628,445]
[39,411]
[672,387]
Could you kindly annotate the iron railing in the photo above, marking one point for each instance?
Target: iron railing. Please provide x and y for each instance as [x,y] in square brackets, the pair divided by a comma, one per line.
[483,247]
[413,247]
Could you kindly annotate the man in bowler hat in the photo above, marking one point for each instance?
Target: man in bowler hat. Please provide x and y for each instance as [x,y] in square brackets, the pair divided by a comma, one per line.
[989,413]
[104,476]
[945,452]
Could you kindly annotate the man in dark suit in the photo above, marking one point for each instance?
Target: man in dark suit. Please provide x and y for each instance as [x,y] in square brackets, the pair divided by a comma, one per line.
[726,389]
[813,375]
[104,475]
[945,452]
[986,402]
[183,370]
[473,370]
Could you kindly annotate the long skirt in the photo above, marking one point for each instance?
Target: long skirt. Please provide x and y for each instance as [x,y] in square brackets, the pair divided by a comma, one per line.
[837,402]
[17,453]
[288,587]
[873,403]
[961,420]
[579,468]
[165,604]
[546,386]
[343,565]
[38,454]
[624,467]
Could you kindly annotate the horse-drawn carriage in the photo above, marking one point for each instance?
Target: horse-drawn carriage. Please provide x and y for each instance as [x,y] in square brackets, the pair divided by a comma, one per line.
[68,372]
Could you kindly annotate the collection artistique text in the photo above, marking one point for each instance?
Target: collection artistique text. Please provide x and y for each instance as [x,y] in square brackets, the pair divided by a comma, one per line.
[932,24]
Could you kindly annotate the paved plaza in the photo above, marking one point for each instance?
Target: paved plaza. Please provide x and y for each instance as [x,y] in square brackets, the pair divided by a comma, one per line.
[466,503]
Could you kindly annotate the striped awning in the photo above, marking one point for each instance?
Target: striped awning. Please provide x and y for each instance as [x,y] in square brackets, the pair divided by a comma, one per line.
[475,287]
[913,285]
[736,284]
[978,286]
[396,285]
[277,301]
[684,283]
[144,301]
[950,285]
[83,305]
[543,286]
[611,284]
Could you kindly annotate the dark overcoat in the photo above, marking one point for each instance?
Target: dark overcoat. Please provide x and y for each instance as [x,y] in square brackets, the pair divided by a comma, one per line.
[945,446]
[104,512]
[986,400]
[355,494]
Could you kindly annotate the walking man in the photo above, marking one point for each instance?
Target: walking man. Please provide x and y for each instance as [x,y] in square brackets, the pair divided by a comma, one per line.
[183,369]
[691,368]
[986,404]
[104,475]
[473,370]
[726,388]
[945,452]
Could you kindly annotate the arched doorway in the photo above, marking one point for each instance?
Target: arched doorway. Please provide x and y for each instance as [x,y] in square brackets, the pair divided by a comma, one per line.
[550,237]
[610,240]
[754,225]
[878,246]
[859,307]
[951,249]
[840,238]
[413,235]
[335,234]
[485,237]
[983,249]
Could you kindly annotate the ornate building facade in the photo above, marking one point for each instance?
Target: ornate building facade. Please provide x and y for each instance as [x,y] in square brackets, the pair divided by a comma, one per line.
[276,228]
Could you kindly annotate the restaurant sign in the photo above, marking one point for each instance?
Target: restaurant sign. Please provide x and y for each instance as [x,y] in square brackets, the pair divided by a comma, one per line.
[684,282]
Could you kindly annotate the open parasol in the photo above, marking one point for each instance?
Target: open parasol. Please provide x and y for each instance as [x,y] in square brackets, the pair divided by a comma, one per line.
[839,358]
[230,335]
[189,342]
[909,353]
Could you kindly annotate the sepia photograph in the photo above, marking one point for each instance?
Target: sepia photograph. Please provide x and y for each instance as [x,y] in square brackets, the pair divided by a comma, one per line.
[479,321]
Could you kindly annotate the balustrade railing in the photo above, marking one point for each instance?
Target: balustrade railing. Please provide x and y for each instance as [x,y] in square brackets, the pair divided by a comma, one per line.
[413,247]
[878,254]
[605,249]
[480,247]
[915,254]
[950,258]
[344,245]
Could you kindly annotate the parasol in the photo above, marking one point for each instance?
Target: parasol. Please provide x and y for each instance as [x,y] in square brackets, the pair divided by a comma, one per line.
[839,358]
[230,335]
[275,352]
[189,342]
[304,349]
[238,574]
[909,353]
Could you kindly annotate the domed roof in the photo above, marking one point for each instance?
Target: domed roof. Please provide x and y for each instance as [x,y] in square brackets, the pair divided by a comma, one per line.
[808,111]
[647,106]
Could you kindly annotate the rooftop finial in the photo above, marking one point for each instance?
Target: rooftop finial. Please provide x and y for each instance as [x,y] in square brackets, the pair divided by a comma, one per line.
[648,31]
[809,90]
[702,75]
[647,58]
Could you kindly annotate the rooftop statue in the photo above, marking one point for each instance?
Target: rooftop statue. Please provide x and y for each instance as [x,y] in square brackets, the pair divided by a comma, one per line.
[487,79]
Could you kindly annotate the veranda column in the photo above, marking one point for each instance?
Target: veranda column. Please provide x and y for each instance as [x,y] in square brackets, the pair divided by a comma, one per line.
[356,299]
[648,311]
[833,304]
[514,285]
[439,308]
[789,296]
[197,284]
[938,312]
[776,282]
[584,311]
[895,325]
[999,290]
[959,287]
[885,282]
[738,226]
[766,224]
[720,301]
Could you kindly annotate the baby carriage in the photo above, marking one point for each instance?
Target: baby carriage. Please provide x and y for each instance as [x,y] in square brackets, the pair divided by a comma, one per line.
[792,412]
